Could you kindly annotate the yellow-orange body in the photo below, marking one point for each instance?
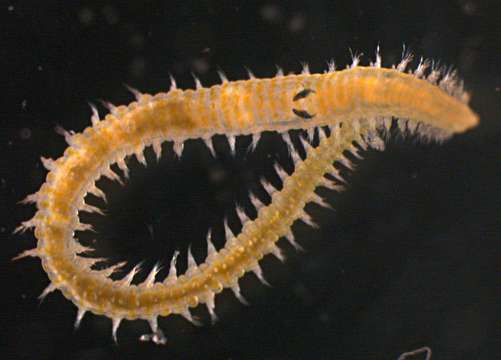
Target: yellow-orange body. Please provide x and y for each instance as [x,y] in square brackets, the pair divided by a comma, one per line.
[357,98]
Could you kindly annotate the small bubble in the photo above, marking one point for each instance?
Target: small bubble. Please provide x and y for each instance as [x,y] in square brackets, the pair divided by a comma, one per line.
[468,7]
[297,23]
[217,175]
[137,41]
[86,16]
[271,13]
[201,66]
[137,67]
[302,293]
[25,133]
[324,317]
[110,14]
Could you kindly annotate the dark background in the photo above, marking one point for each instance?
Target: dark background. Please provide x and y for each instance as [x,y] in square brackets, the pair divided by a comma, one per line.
[408,258]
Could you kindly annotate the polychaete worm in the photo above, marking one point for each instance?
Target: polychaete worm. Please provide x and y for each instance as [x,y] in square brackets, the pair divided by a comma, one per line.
[350,109]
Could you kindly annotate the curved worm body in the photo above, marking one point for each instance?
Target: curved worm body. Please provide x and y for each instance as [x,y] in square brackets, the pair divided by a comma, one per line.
[353,104]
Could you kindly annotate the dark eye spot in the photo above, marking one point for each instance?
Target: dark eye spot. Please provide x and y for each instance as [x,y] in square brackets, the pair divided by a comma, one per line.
[303,113]
[302,94]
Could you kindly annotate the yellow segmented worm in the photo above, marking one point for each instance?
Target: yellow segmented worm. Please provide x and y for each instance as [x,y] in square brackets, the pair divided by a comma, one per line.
[354,104]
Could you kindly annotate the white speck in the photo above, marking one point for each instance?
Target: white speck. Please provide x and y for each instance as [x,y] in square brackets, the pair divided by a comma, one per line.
[39,68]
[23,104]
[10,8]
